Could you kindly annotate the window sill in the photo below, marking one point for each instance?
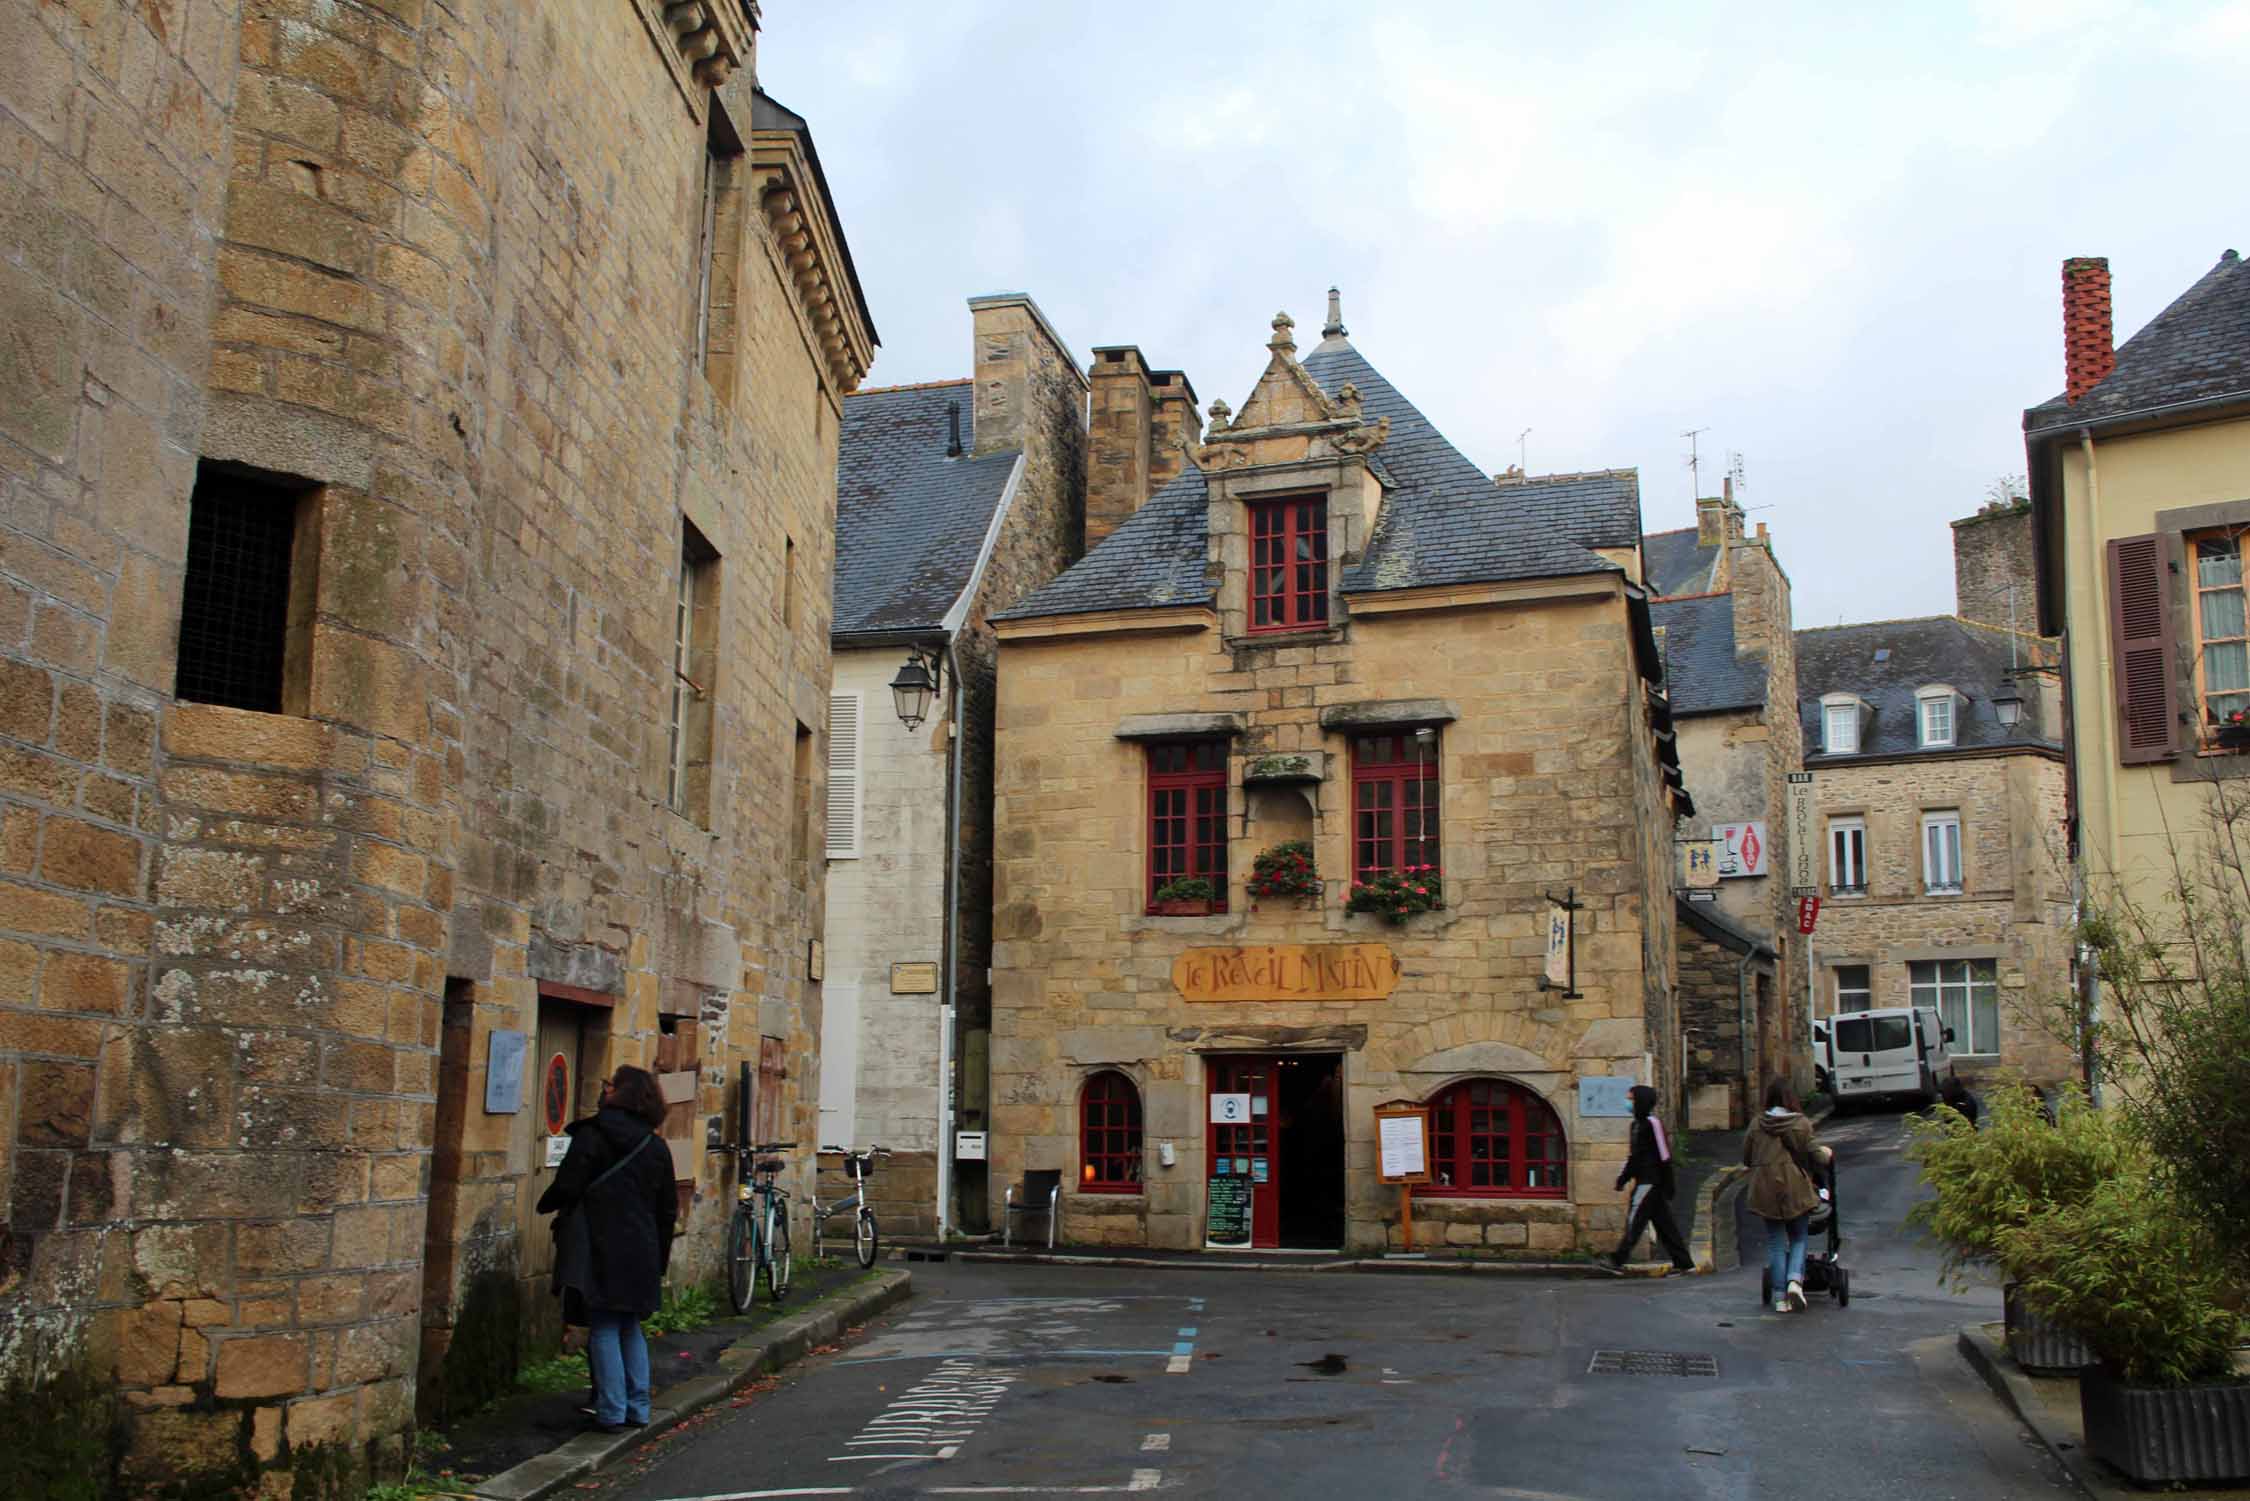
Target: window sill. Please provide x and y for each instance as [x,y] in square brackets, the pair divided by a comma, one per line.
[1944,891]
[1492,1196]
[1105,1191]
[1847,893]
[1296,635]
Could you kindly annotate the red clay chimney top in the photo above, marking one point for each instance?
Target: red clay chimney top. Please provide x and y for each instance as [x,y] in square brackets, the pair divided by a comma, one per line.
[2089,342]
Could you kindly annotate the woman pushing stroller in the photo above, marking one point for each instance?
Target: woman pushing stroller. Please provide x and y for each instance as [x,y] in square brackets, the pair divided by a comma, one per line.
[1782,1157]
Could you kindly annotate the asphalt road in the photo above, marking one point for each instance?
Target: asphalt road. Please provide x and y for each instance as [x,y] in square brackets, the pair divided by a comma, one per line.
[1014,1380]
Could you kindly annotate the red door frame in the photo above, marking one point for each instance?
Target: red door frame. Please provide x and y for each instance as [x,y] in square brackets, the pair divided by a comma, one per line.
[1252,1074]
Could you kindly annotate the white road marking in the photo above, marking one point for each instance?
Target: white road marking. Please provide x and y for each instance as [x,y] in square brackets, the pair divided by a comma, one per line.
[802,1490]
[1156,1443]
[1179,1365]
[931,1419]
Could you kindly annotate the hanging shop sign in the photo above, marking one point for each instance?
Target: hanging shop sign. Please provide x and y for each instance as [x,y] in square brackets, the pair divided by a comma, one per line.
[1287,972]
[1742,849]
[1701,858]
[1804,869]
[1808,913]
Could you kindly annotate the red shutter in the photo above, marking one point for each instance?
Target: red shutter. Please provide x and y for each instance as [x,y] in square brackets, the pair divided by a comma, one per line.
[2140,640]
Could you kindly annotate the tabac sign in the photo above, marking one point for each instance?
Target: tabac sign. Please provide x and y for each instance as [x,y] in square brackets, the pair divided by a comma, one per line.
[1287,972]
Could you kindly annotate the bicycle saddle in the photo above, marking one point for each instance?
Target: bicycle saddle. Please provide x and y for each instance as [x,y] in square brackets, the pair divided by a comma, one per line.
[769,1165]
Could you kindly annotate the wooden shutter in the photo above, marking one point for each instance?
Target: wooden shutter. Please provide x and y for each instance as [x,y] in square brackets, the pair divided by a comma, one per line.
[2140,641]
[843,811]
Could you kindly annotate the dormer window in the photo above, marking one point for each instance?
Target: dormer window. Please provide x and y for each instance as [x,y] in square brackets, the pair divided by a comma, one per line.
[1934,716]
[1839,725]
[1289,563]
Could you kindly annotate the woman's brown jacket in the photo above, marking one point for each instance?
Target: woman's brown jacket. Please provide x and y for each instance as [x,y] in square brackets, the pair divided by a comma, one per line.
[1777,1149]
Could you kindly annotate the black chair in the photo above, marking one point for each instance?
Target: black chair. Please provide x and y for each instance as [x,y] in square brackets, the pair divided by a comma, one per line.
[1038,1193]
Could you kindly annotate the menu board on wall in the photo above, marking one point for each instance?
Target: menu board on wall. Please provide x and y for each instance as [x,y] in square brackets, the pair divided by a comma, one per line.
[1227,1211]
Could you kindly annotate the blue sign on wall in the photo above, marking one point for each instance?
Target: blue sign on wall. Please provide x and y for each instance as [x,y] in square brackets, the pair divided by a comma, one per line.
[503,1073]
[1599,1096]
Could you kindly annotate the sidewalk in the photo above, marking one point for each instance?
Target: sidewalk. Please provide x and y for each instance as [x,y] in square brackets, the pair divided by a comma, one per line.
[2048,1406]
[535,1443]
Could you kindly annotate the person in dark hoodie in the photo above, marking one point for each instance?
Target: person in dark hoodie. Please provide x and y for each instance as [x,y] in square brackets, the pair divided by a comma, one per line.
[1648,1167]
[615,1183]
[1778,1149]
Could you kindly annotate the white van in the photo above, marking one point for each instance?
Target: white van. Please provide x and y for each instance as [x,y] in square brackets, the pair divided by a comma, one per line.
[1898,1051]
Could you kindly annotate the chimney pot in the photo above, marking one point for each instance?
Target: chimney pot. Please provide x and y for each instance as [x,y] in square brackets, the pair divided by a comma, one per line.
[2089,340]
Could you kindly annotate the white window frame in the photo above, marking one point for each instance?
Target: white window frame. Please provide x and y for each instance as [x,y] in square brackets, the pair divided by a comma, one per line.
[844,815]
[1952,987]
[1926,704]
[1935,850]
[1838,866]
[1832,743]
[1860,998]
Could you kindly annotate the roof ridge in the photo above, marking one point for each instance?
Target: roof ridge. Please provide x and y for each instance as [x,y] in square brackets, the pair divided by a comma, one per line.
[919,385]
[1856,625]
[1671,531]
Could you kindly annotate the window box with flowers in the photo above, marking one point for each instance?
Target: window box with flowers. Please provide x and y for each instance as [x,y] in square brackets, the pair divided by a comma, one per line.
[1284,872]
[2232,731]
[1396,895]
[1186,896]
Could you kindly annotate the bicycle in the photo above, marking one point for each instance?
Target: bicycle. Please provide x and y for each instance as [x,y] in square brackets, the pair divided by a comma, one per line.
[857,1166]
[758,1231]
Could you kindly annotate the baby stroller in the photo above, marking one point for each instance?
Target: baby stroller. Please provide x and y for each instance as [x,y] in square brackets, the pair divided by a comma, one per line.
[1824,1236]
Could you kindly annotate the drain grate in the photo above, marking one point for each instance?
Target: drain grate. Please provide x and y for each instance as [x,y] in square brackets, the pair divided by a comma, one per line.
[1651,1363]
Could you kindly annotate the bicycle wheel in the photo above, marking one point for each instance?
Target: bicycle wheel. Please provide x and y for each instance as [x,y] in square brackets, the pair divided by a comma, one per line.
[777,1251]
[863,1236]
[742,1261]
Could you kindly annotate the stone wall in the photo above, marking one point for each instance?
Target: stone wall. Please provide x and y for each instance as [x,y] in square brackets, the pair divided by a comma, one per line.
[437,276]
[1995,574]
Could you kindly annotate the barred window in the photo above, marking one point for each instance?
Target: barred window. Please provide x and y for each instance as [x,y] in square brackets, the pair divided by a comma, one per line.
[1109,1135]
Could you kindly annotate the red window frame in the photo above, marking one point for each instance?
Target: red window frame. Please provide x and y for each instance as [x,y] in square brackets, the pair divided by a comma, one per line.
[1187,815]
[1501,1138]
[1394,803]
[1109,1135]
[1289,563]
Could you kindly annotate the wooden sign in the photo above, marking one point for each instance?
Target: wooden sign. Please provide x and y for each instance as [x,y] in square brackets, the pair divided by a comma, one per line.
[1402,1144]
[1287,972]
[913,979]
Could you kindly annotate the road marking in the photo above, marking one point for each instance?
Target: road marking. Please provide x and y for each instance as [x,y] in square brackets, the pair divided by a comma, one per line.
[802,1490]
[1143,1480]
[932,1418]
[1179,1365]
[1188,1332]
[1156,1443]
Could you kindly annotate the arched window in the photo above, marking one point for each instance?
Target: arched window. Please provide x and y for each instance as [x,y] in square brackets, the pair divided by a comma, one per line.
[1490,1138]
[1109,1135]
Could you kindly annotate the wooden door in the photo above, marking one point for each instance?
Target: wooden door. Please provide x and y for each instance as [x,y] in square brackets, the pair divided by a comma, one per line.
[559,1095]
[1250,1145]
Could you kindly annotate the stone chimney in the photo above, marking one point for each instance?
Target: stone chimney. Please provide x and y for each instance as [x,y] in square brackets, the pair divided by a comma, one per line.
[1119,434]
[2089,347]
[1760,590]
[1718,520]
[1994,568]
[1176,427]
[1012,346]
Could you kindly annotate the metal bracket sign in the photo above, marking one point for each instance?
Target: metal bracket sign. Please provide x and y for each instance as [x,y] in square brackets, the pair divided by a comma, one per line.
[1804,849]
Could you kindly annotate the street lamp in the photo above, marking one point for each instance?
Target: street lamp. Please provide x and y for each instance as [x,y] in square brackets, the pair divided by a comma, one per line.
[912,689]
[2008,705]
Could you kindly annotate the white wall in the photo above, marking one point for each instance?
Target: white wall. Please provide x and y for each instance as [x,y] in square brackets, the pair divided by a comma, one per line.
[886,907]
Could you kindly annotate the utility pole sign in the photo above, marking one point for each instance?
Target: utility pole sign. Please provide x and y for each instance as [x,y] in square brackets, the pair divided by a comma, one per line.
[1804,857]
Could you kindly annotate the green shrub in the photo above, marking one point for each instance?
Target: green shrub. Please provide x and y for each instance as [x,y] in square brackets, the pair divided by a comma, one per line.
[1186,889]
[683,1309]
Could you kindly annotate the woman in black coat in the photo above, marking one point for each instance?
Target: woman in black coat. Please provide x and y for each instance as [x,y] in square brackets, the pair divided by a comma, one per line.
[615,1183]
[1648,1167]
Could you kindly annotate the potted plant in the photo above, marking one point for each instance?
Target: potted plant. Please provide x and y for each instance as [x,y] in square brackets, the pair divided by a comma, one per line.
[1183,896]
[1397,894]
[2022,1164]
[2136,1271]
[1286,870]
[2232,732]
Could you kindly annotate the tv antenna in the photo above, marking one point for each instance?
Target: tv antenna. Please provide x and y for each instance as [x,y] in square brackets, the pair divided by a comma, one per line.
[1694,462]
[1521,462]
[1735,474]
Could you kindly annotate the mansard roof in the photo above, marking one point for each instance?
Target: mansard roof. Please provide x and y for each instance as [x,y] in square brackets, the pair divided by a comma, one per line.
[910,522]
[1884,662]
[1443,520]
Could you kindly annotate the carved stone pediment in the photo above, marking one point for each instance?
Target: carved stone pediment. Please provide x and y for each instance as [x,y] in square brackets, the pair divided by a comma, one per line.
[1288,418]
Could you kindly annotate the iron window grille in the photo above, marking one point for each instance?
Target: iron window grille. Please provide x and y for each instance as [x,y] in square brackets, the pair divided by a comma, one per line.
[234,607]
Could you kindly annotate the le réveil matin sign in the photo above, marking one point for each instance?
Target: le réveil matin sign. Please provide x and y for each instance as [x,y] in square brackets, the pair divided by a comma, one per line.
[1287,972]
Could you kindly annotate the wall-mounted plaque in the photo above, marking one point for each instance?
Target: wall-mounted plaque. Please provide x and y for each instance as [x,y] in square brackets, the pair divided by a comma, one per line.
[913,979]
[1599,1095]
[503,1072]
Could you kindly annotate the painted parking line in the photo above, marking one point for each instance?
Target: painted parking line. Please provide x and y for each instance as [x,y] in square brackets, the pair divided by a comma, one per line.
[1143,1480]
[1156,1443]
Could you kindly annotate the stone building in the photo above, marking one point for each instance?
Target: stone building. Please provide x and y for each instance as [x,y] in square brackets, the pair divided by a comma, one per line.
[1943,876]
[952,498]
[1330,634]
[418,480]
[1723,622]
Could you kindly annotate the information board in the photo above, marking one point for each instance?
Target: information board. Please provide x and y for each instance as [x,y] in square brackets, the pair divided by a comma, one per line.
[1402,1144]
[1599,1095]
[1227,1210]
[503,1072]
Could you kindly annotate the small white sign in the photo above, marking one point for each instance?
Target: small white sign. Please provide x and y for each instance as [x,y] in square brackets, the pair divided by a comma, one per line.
[968,1146]
[1230,1109]
[1401,1143]
[558,1147]
[1742,848]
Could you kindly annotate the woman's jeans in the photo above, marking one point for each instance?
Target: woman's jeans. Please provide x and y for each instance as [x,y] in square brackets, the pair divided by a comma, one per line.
[620,1359]
[1785,1252]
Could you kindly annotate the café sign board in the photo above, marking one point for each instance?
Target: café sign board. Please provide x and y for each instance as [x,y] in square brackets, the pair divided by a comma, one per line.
[1287,972]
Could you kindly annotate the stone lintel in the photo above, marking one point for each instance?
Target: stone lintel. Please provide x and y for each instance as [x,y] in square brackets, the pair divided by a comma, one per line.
[1370,713]
[1179,726]
[1336,1037]
[585,965]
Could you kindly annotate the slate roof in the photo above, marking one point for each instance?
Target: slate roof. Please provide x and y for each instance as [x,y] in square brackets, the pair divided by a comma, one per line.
[910,522]
[1707,919]
[1937,649]
[2197,349]
[1443,520]
[1677,564]
[1702,674]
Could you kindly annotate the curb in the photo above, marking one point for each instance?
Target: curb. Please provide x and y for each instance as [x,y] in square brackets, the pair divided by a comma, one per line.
[783,1342]
[1716,1247]
[1988,1357]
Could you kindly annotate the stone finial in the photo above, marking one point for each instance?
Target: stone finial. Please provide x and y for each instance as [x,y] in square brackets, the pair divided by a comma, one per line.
[1334,327]
[1220,412]
[1281,342]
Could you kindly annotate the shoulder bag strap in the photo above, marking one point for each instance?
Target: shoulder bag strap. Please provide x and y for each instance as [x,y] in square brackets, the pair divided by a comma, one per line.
[611,1171]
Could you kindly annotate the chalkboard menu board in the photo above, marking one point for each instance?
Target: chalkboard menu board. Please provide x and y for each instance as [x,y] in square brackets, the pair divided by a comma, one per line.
[1228,1212]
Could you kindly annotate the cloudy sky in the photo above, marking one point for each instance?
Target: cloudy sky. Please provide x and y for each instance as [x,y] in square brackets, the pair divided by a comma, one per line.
[1833,242]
